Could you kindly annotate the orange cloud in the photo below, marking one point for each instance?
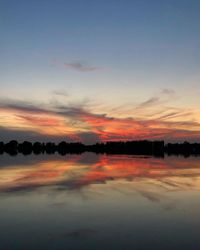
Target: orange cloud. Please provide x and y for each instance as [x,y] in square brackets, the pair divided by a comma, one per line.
[41,121]
[77,123]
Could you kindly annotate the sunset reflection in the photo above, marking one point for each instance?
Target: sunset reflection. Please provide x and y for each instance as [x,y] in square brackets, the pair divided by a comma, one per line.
[79,171]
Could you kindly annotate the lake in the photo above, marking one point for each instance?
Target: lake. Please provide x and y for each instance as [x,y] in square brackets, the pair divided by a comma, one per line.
[91,201]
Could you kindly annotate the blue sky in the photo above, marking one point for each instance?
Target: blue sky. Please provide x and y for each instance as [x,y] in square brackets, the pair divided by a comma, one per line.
[110,52]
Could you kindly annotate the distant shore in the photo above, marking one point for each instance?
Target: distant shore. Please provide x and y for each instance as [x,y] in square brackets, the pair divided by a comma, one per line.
[144,147]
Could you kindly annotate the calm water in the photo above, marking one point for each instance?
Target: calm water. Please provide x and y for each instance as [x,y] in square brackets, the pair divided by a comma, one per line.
[99,202]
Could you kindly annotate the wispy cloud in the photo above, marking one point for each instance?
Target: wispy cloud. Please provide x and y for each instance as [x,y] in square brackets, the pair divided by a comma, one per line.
[168,92]
[161,97]
[78,122]
[23,106]
[151,101]
[82,67]
[61,92]
[41,121]
[77,66]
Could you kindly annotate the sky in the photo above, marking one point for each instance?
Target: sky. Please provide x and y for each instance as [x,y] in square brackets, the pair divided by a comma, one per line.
[99,70]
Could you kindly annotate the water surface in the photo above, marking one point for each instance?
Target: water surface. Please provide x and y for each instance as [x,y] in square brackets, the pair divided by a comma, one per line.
[94,201]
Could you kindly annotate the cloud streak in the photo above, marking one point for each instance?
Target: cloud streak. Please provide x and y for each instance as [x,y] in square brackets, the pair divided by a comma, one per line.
[77,122]
[151,101]
[76,66]
[61,93]
[82,67]
[163,96]
[168,92]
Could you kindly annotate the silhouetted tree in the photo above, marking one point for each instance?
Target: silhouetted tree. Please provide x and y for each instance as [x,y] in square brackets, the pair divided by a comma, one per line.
[50,148]
[145,147]
[11,147]
[62,148]
[25,148]
[1,147]
[37,148]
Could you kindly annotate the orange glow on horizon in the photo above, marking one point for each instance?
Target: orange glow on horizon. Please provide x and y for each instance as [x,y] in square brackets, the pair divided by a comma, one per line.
[56,123]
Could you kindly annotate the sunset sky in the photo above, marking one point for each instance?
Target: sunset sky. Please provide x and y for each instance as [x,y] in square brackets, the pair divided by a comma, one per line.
[99,70]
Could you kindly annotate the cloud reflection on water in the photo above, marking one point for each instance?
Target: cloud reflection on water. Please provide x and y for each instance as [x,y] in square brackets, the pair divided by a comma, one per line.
[80,171]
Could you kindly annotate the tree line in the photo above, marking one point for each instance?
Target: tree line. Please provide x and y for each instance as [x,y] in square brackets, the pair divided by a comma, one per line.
[144,147]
